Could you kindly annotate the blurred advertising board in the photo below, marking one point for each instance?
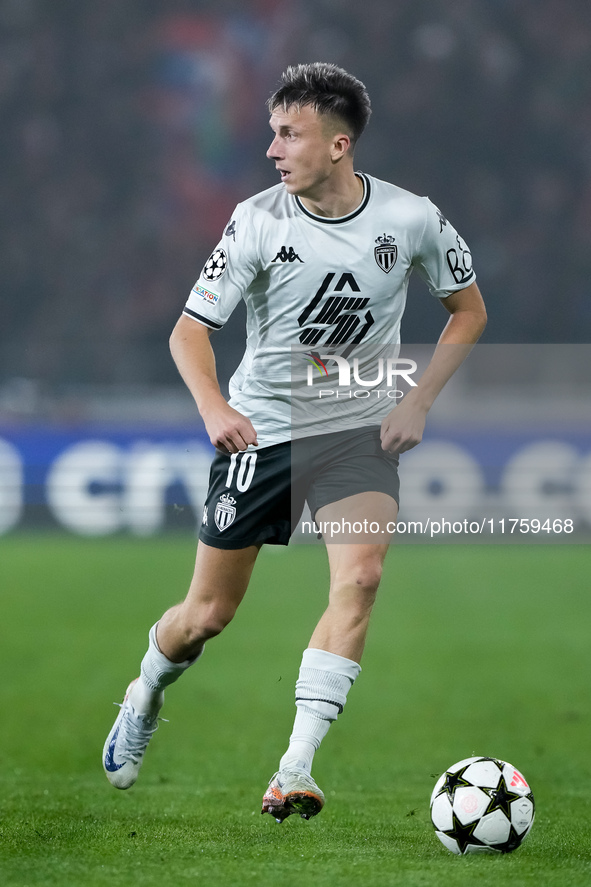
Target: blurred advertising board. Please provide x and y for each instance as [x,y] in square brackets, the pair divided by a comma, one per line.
[506,457]
[501,486]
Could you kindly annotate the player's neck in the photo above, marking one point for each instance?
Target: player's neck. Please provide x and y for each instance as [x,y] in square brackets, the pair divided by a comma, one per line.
[336,198]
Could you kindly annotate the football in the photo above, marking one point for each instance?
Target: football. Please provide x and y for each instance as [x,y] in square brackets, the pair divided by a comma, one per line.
[482,805]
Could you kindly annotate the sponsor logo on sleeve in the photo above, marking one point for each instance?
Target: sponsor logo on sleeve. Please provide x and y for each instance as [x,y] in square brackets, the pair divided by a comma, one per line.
[460,262]
[208,296]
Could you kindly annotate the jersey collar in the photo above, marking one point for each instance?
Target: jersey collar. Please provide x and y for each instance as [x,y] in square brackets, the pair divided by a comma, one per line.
[341,219]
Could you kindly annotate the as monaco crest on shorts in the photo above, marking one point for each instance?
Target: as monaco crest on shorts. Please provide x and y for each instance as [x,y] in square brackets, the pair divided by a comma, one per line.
[386,253]
[225,512]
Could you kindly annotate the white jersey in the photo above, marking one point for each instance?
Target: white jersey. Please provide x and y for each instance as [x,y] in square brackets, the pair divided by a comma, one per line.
[320,283]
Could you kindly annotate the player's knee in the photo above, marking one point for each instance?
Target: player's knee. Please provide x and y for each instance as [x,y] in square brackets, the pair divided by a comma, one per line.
[207,623]
[366,577]
[363,579]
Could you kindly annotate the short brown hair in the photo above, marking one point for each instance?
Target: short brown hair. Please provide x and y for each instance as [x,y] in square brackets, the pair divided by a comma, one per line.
[329,90]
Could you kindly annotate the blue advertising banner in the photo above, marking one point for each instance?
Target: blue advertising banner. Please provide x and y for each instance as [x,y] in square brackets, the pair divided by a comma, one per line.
[100,480]
[484,485]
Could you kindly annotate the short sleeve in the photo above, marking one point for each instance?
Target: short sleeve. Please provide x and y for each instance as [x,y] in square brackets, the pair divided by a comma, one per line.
[226,275]
[443,259]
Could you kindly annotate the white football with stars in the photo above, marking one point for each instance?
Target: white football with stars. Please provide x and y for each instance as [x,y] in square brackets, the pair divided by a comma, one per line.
[482,805]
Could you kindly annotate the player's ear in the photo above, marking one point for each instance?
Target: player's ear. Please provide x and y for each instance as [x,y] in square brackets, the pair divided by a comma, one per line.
[340,145]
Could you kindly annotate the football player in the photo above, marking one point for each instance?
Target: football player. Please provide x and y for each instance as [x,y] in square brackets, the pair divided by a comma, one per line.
[322,260]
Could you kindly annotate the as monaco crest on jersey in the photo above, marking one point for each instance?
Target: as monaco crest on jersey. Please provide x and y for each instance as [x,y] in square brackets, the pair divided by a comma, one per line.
[386,252]
[225,512]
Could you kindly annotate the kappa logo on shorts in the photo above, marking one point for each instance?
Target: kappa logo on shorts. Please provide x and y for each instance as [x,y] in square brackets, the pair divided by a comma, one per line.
[225,512]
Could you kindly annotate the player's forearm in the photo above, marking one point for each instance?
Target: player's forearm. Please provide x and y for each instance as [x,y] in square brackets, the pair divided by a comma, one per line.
[461,333]
[228,429]
[193,355]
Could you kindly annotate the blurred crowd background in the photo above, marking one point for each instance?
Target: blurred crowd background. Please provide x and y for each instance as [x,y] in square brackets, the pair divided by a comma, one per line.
[130,129]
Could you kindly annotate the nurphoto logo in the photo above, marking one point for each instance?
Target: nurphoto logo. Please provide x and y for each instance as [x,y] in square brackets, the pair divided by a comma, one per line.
[368,375]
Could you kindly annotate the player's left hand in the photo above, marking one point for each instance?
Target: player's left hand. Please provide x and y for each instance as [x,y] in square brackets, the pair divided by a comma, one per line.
[402,429]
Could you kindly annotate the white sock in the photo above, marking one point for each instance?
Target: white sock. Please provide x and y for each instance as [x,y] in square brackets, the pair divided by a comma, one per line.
[157,672]
[321,693]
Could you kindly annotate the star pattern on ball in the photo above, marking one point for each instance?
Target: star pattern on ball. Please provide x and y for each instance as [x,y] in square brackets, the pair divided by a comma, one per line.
[453,781]
[500,764]
[501,798]
[512,842]
[464,834]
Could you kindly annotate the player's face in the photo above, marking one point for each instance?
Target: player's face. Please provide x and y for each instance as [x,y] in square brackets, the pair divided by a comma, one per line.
[303,149]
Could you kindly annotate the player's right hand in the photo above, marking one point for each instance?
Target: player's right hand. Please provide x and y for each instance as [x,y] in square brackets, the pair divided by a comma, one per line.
[229,431]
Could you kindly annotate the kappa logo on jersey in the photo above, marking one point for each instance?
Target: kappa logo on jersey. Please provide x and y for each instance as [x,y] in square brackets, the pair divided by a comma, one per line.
[225,512]
[231,230]
[215,265]
[442,220]
[285,255]
[460,262]
[204,518]
[386,253]
[212,298]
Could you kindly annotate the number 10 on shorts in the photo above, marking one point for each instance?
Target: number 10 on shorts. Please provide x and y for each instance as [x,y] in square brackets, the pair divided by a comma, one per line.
[246,469]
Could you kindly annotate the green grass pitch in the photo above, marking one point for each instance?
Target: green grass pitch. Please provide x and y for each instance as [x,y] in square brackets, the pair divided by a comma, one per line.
[472,650]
